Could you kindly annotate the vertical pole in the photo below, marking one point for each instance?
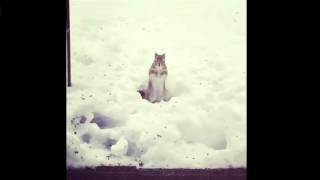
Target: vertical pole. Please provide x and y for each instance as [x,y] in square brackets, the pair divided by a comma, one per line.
[68,44]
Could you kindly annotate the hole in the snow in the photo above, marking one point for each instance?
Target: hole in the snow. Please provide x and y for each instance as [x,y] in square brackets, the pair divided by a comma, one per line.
[83,119]
[109,142]
[86,138]
[102,121]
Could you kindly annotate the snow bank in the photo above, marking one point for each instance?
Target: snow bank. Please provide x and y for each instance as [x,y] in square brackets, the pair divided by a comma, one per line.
[113,43]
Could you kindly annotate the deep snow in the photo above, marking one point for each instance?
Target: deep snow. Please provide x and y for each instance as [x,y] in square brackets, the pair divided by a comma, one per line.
[112,47]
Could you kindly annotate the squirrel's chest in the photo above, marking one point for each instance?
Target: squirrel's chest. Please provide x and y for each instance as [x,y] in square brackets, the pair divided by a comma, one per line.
[157,89]
[157,78]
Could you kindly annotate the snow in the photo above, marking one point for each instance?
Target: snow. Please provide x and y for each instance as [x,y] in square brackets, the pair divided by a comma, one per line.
[112,47]
[120,148]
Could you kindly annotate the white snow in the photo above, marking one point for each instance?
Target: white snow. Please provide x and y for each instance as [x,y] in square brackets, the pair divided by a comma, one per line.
[120,148]
[112,47]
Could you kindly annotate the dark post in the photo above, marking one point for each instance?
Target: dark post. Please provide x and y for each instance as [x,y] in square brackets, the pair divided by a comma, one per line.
[68,44]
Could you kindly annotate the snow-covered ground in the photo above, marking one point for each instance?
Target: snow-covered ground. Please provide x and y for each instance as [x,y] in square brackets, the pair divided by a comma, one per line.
[113,44]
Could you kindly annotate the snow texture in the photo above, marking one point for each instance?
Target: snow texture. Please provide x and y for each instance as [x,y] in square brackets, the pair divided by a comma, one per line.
[112,47]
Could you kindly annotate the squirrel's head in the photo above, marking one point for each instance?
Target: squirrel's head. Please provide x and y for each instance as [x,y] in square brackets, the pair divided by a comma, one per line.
[159,60]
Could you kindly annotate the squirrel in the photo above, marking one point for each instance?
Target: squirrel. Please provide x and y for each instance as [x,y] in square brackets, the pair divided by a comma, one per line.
[158,72]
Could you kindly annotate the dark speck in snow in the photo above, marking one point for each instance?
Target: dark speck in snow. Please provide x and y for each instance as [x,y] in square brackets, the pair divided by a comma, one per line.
[140,163]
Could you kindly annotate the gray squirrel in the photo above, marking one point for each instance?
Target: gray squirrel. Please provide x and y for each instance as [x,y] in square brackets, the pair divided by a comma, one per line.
[156,90]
